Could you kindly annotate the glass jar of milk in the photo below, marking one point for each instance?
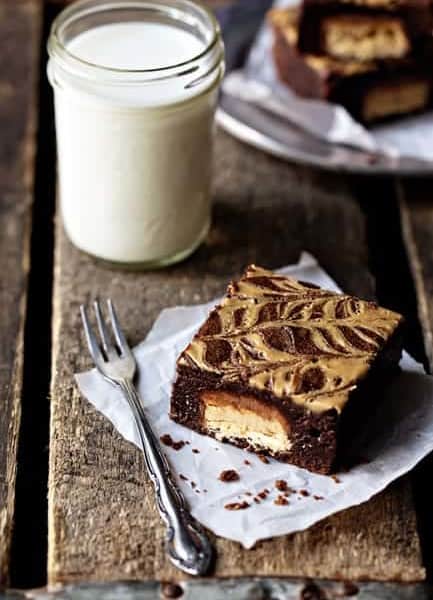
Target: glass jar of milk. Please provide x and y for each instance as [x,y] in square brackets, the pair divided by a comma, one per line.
[136,85]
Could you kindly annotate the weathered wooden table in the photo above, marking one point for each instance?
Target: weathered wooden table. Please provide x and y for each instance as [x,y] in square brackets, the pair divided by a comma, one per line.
[99,525]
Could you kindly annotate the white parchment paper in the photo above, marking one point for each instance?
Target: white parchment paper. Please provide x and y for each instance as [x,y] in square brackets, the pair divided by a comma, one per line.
[259,84]
[398,436]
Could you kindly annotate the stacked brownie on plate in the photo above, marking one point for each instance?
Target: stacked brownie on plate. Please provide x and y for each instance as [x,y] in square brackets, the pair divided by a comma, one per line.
[374,57]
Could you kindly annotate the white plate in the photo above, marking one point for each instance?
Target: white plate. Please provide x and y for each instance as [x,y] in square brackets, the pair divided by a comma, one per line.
[276,136]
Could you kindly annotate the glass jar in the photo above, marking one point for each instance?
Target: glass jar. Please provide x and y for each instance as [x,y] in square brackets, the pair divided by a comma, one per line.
[135,88]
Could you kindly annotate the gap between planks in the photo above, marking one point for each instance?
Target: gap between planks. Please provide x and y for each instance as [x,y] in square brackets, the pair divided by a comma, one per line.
[20,25]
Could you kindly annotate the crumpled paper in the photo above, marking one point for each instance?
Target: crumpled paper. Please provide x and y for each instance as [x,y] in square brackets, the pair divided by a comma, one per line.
[398,436]
[258,83]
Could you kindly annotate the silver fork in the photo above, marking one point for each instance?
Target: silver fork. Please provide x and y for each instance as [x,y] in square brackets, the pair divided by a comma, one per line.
[187,545]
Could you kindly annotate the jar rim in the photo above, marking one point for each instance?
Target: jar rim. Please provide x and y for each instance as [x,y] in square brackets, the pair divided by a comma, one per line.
[57,49]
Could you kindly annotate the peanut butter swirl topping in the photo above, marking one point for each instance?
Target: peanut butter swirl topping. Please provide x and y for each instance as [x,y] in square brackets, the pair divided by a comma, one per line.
[298,341]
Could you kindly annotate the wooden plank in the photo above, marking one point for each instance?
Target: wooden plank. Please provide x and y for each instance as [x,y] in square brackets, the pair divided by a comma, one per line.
[19,59]
[416,209]
[102,521]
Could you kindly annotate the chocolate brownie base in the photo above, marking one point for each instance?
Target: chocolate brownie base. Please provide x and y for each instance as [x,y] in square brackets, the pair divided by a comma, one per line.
[371,91]
[321,442]
[313,436]
[279,363]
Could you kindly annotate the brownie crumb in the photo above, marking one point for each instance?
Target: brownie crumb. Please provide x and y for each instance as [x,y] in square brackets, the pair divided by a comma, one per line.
[247,462]
[281,485]
[205,491]
[183,477]
[197,491]
[304,493]
[237,505]
[256,500]
[166,439]
[263,494]
[336,479]
[171,590]
[263,458]
[316,497]
[281,500]
[196,451]
[350,589]
[178,445]
[248,494]
[193,484]
[229,475]
[312,592]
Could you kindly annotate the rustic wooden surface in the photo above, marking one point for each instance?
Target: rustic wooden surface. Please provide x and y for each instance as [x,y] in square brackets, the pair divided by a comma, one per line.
[19,35]
[416,208]
[102,520]
[235,589]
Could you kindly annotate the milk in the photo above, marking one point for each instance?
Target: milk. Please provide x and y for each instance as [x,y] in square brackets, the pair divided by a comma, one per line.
[137,45]
[134,158]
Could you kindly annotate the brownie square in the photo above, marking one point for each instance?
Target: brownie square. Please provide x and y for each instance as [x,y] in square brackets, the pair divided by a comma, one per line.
[371,91]
[363,29]
[281,365]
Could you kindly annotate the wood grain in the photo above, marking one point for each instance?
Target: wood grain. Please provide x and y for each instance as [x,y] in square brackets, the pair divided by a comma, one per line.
[102,521]
[416,209]
[19,58]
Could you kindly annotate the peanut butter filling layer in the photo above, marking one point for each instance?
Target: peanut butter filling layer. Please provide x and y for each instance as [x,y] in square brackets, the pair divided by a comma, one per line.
[230,416]
[403,98]
[294,340]
[364,38]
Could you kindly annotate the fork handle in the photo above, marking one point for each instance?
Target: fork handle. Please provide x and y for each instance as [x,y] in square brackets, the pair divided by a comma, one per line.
[188,546]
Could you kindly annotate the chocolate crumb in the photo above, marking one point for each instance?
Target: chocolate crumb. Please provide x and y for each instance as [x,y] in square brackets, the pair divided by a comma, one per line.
[229,475]
[350,589]
[312,592]
[256,500]
[336,479]
[183,477]
[317,497]
[263,495]
[193,484]
[196,451]
[205,491]
[304,493]
[188,443]
[281,500]
[171,590]
[281,485]
[247,462]
[197,491]
[236,505]
[248,494]
[178,445]
[263,458]
[166,439]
